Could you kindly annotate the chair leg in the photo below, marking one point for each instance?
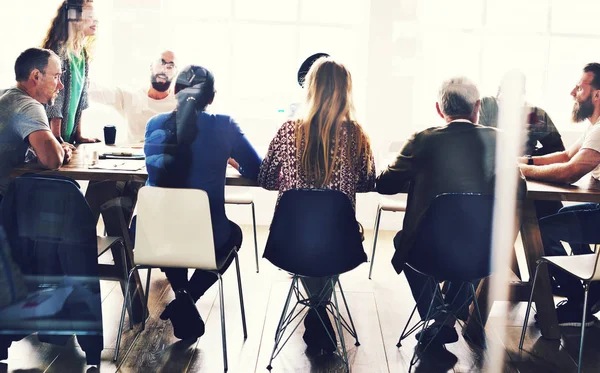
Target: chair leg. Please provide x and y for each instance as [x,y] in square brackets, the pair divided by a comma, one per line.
[585,301]
[146,313]
[404,334]
[279,331]
[537,268]
[375,234]
[254,230]
[357,343]
[478,313]
[125,276]
[122,321]
[414,357]
[223,334]
[239,278]
[339,326]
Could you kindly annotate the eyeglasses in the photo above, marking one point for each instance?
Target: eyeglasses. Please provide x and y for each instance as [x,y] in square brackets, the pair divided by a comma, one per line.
[169,66]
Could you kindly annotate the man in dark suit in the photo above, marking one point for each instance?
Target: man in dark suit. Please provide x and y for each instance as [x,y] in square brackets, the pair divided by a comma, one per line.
[457,157]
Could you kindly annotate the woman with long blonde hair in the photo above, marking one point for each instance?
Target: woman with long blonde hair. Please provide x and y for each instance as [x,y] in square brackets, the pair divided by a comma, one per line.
[72,38]
[324,148]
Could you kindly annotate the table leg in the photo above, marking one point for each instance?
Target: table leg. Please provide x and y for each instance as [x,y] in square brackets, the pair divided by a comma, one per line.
[534,250]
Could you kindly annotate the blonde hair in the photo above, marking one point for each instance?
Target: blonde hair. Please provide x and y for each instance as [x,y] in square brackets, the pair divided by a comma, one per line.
[62,38]
[328,110]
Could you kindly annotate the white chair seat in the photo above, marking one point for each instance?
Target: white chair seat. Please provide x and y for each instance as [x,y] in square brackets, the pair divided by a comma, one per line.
[581,266]
[584,267]
[239,199]
[245,199]
[385,204]
[391,205]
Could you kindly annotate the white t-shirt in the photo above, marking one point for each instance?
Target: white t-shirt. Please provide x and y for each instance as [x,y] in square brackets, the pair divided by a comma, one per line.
[591,140]
[135,106]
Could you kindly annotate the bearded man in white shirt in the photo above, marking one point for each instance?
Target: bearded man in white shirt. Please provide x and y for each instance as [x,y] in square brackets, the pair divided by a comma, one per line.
[138,106]
[577,225]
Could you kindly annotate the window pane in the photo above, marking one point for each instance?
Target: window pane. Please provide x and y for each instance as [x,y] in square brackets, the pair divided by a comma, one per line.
[502,53]
[335,11]
[197,9]
[575,17]
[455,14]
[517,15]
[568,56]
[267,10]
[444,55]
[137,4]
[264,68]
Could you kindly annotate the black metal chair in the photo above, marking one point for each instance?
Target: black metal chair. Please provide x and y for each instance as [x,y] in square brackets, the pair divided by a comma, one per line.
[52,232]
[314,233]
[453,243]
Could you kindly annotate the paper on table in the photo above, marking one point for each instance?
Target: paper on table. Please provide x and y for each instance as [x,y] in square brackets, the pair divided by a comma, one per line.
[113,164]
[42,303]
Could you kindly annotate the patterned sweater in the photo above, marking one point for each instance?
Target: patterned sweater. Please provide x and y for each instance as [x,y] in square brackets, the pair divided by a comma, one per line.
[60,109]
[280,169]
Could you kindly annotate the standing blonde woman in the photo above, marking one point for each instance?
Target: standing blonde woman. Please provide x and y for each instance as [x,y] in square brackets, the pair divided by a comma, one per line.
[72,40]
[324,148]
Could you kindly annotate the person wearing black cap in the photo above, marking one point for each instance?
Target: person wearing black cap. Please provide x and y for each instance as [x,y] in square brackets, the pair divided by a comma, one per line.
[190,148]
[302,71]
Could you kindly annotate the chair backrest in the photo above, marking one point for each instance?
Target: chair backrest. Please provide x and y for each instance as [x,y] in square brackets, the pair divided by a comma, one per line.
[453,239]
[314,233]
[173,229]
[50,226]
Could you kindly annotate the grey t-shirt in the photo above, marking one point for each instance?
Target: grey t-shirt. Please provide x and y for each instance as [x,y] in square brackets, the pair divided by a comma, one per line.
[20,115]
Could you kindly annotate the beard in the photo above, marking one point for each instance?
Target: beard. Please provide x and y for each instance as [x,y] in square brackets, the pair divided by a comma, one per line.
[161,86]
[582,110]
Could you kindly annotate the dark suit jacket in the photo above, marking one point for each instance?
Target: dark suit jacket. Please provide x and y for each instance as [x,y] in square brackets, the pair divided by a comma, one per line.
[457,158]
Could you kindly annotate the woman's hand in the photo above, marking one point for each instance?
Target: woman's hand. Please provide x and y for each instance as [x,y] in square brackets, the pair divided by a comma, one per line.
[233,163]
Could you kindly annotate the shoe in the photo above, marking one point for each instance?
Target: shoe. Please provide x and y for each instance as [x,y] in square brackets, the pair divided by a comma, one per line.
[186,320]
[435,358]
[569,314]
[315,336]
[438,334]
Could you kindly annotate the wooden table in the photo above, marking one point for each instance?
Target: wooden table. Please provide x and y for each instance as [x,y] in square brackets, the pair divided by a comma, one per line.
[115,224]
[78,169]
[585,190]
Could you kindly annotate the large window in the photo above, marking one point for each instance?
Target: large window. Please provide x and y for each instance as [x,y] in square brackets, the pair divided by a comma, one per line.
[548,40]
[397,50]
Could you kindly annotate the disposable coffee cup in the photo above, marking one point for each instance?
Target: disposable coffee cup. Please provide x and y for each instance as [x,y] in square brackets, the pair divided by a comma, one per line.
[110,134]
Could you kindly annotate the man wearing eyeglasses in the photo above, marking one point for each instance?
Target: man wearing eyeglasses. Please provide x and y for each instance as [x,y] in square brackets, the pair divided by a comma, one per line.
[138,106]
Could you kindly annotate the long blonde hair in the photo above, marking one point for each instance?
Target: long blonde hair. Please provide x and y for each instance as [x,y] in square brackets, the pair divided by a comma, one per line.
[328,109]
[61,38]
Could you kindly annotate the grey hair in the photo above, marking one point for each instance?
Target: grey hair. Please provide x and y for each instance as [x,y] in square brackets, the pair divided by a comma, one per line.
[457,97]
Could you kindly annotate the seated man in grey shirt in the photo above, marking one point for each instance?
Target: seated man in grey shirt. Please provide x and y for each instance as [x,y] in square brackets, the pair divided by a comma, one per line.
[23,120]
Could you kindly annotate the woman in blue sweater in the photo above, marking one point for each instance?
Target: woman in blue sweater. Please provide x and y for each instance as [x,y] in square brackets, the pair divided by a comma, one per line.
[190,148]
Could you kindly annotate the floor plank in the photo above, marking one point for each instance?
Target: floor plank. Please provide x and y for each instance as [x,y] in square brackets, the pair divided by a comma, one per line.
[380,308]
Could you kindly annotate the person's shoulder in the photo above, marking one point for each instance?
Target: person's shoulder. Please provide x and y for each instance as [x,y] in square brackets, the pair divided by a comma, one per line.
[158,120]
[20,101]
[288,126]
[489,100]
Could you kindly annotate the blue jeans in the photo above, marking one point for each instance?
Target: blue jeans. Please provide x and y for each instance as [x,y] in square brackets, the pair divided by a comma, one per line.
[579,225]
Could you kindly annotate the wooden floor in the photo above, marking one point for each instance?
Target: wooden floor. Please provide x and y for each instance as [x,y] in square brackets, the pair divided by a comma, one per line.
[380,308]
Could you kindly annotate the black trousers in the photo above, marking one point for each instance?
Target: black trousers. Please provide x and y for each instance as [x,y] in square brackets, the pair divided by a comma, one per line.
[202,280]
